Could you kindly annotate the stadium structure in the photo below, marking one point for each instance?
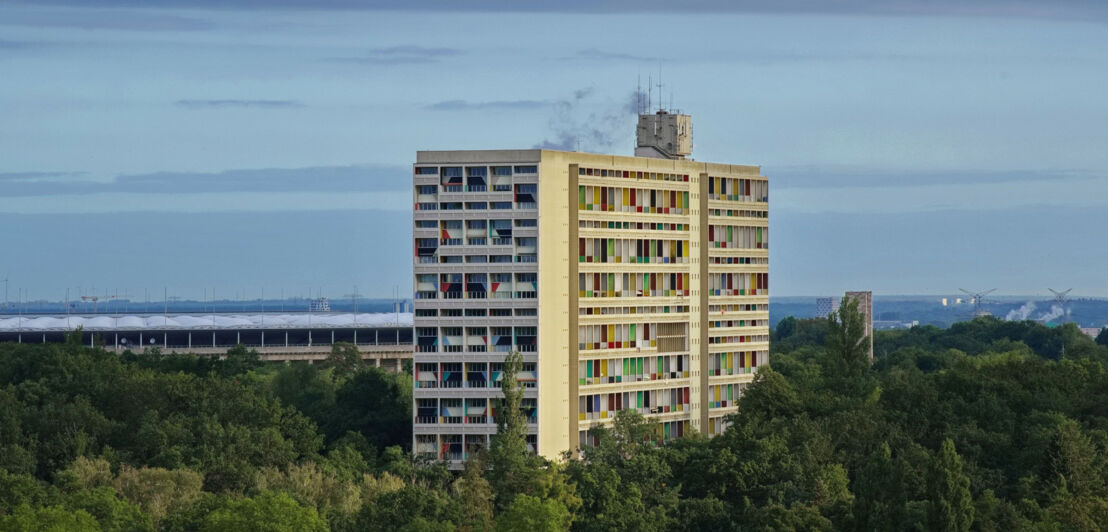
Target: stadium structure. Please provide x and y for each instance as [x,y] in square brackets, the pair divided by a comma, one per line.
[385,339]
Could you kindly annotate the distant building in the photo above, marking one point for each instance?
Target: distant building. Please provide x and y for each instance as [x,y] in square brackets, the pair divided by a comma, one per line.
[383,339]
[865,305]
[825,306]
[1093,332]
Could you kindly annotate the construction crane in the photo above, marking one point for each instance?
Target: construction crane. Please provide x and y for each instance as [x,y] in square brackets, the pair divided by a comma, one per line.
[978,299]
[1060,299]
[96,301]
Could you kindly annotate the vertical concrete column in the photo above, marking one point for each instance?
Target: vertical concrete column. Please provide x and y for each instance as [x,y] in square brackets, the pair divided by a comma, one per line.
[705,315]
[574,352]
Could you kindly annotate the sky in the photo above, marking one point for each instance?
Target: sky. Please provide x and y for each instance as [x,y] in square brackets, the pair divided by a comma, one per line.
[248,146]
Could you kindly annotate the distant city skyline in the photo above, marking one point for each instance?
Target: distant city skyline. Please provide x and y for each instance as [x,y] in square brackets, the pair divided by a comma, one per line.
[911,148]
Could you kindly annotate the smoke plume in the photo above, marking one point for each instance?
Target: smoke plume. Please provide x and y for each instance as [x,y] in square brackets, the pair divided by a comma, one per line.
[1055,313]
[1021,313]
[585,123]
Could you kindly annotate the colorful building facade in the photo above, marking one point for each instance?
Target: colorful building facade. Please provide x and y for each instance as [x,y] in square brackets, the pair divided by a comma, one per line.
[626,282]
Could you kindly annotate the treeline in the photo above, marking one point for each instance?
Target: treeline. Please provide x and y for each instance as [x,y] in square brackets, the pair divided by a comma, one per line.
[988,425]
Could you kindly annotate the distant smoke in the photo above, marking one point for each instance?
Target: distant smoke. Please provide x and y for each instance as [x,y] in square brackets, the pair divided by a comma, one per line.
[579,123]
[1055,312]
[1021,313]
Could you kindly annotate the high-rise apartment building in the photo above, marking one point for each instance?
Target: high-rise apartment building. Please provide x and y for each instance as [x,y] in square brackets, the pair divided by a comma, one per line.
[626,282]
[825,306]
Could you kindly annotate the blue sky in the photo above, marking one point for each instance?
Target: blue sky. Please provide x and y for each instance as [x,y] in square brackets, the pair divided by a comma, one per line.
[912,147]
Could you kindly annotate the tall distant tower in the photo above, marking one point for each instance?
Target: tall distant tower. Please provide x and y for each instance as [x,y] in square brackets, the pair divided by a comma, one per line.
[664,135]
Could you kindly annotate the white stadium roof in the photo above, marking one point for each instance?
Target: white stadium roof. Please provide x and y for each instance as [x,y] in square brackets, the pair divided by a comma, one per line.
[205,321]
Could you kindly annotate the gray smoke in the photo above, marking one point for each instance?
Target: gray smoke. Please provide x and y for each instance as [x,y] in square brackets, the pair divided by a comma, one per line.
[582,122]
[1055,312]
[1021,313]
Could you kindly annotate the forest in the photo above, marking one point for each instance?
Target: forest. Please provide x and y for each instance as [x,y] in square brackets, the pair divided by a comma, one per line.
[986,425]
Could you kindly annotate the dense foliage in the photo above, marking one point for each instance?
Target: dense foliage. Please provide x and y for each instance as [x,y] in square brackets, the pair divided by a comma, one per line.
[988,425]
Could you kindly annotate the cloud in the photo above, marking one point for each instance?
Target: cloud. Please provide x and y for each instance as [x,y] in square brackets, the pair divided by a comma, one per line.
[787,177]
[15,45]
[37,176]
[463,105]
[603,55]
[402,55]
[1059,9]
[105,19]
[323,179]
[261,104]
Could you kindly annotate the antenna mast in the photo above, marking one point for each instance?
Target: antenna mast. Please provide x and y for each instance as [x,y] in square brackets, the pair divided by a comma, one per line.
[978,300]
[1061,298]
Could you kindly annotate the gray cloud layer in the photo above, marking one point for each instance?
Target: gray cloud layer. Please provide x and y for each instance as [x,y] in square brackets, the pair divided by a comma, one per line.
[263,104]
[1068,9]
[316,179]
[463,105]
[115,19]
[809,176]
[402,55]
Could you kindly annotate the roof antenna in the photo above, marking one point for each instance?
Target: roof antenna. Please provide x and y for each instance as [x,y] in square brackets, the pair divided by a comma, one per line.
[638,94]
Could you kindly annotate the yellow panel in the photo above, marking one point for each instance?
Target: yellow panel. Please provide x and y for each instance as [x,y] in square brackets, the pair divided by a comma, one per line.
[626,197]
[603,368]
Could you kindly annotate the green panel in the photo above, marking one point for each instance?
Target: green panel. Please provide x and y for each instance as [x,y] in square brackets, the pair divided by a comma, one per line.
[759,235]
[632,332]
[640,399]
[625,372]
[581,195]
[588,369]
[640,367]
[611,247]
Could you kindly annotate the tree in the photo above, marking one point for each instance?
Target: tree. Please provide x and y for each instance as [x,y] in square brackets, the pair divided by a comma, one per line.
[532,514]
[475,495]
[240,360]
[848,349]
[376,404]
[345,358]
[48,519]
[879,490]
[951,506]
[158,491]
[268,512]
[111,512]
[1102,337]
[1071,464]
[785,328]
[512,463]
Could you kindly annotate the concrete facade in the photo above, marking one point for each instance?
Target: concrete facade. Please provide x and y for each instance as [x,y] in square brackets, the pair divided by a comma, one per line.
[632,283]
